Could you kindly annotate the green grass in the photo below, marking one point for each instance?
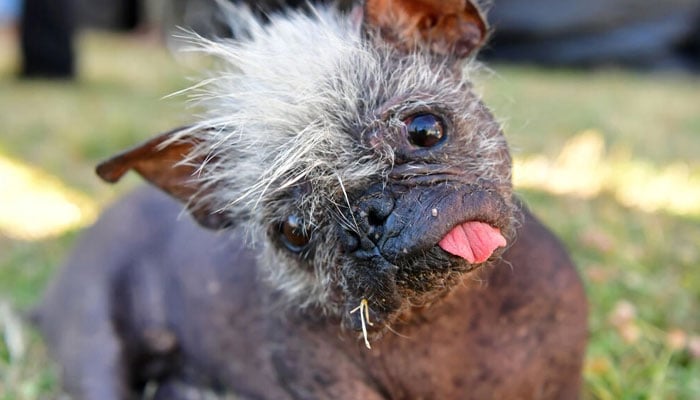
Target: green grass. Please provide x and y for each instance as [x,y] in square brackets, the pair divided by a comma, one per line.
[640,267]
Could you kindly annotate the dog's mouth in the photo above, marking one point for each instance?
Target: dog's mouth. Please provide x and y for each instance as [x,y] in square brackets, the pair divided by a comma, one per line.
[414,245]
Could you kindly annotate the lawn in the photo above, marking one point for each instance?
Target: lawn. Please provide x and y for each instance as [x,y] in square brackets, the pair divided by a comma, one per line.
[608,159]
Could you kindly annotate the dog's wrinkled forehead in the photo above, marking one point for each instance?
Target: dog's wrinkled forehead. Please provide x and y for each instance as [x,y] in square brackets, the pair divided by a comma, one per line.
[295,100]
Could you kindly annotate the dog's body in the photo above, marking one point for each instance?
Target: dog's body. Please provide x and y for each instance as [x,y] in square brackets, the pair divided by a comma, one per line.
[189,316]
[373,196]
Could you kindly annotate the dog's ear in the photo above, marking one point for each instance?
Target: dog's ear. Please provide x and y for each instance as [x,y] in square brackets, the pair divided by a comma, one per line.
[453,28]
[165,162]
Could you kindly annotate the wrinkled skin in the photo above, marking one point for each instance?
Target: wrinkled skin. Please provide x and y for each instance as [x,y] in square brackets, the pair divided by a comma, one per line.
[395,261]
[150,297]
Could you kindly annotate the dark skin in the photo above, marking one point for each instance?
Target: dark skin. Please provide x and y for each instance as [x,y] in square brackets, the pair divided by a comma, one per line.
[151,296]
[184,308]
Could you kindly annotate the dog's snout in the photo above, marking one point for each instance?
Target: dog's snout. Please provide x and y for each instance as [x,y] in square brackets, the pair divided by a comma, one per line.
[368,217]
[375,210]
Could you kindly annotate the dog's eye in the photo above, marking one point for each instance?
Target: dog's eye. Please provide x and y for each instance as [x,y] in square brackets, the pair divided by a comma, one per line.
[425,130]
[292,234]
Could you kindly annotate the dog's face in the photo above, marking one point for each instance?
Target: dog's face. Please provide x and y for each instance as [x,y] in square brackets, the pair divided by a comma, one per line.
[353,150]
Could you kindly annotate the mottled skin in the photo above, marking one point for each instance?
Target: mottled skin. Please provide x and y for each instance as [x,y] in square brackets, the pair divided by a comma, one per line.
[183,307]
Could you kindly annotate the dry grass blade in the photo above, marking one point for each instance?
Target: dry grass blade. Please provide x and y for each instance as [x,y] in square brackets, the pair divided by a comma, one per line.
[363,308]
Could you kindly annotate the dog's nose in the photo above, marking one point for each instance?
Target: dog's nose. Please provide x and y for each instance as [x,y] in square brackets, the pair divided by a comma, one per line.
[367,221]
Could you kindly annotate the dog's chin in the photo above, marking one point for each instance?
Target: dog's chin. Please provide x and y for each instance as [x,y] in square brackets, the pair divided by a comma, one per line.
[415,285]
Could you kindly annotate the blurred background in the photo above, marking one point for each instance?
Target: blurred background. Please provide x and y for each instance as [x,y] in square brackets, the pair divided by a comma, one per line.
[600,100]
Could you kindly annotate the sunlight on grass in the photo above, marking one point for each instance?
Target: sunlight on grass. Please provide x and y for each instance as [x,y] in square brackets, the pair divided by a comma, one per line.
[37,205]
[585,169]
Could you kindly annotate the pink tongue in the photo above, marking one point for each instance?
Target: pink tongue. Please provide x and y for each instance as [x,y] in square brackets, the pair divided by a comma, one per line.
[473,241]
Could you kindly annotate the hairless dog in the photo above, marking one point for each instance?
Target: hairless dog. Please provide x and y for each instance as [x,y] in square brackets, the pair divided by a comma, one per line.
[350,231]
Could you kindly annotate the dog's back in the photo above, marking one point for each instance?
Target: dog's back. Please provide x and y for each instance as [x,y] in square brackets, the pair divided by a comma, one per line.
[145,293]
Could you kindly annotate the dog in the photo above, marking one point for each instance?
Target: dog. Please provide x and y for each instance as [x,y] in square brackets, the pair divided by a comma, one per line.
[350,231]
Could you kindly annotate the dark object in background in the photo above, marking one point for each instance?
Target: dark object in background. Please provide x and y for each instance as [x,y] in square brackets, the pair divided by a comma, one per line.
[646,34]
[203,16]
[47,29]
[642,34]
[635,33]
[117,15]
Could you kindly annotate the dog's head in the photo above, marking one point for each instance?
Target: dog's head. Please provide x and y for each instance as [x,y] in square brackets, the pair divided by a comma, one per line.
[352,148]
